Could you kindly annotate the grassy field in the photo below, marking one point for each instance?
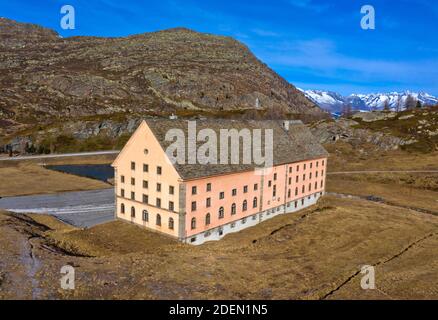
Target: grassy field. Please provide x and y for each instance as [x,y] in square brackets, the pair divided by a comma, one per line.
[29,177]
[345,157]
[419,192]
[305,255]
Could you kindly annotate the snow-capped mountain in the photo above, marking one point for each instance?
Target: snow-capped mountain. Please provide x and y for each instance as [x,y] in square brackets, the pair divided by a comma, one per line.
[328,100]
[375,101]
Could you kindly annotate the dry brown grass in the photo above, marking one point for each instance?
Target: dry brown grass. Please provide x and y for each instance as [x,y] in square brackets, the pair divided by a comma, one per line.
[26,178]
[345,157]
[304,255]
[395,193]
[101,241]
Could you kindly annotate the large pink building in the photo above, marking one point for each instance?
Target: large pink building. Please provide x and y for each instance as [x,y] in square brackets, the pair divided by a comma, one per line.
[196,202]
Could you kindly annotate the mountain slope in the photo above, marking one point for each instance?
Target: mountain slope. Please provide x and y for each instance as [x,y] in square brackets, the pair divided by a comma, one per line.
[45,77]
[334,102]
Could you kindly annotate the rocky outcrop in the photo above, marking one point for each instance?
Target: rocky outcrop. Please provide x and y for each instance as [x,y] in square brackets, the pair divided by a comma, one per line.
[344,129]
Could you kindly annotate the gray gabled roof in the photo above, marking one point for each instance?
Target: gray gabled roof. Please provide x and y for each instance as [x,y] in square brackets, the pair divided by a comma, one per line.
[292,145]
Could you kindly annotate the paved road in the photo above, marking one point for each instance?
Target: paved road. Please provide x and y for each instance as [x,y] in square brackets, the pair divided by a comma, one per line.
[383,171]
[61,155]
[79,208]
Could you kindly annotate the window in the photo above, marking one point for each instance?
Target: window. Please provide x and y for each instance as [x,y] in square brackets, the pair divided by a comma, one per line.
[122,208]
[288,193]
[323,162]
[317,164]
[171,190]
[290,169]
[234,192]
[132,212]
[316,174]
[302,202]
[194,190]
[145,198]
[145,215]
[233,209]
[254,202]
[171,206]
[322,183]
[132,195]
[290,180]
[221,195]
[298,168]
[296,204]
[207,219]
[304,177]
[208,187]
[274,191]
[311,165]
[208,202]
[296,179]
[158,203]
[275,176]
[221,212]
[159,170]
[256,186]
[322,172]
[158,187]
[310,175]
[122,179]
[304,166]
[303,189]
[132,165]
[145,184]
[316,185]
[269,183]
[245,189]
[244,205]
[158,220]
[310,187]
[193,224]
[133,181]
[145,167]
[171,223]
[122,193]
[193,205]
[296,191]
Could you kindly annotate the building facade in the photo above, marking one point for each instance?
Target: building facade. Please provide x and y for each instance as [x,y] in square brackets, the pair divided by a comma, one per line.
[196,203]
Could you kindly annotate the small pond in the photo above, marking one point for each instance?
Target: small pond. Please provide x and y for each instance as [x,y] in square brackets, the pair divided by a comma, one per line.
[101,172]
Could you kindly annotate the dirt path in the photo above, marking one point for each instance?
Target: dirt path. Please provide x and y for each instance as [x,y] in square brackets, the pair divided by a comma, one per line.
[382,171]
[382,201]
[62,155]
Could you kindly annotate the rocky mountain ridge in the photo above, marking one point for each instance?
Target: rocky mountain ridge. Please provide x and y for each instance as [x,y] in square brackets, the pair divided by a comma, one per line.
[45,78]
[335,102]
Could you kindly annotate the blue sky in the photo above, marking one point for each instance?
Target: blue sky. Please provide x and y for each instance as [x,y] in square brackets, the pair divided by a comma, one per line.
[314,44]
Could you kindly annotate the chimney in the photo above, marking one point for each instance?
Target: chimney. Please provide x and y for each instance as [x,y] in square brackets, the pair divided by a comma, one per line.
[286,125]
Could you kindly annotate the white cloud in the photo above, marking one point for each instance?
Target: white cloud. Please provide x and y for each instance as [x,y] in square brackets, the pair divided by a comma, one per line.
[264,33]
[321,57]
